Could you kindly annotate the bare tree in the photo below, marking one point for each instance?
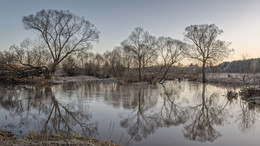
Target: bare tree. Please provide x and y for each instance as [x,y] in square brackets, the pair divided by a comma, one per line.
[206,48]
[63,33]
[27,59]
[31,54]
[127,59]
[82,58]
[171,51]
[70,66]
[113,60]
[14,65]
[141,45]
[7,58]
[99,59]
[7,61]
[90,63]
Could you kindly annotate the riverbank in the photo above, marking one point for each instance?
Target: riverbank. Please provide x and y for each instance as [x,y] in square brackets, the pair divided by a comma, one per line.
[6,139]
[234,79]
[59,80]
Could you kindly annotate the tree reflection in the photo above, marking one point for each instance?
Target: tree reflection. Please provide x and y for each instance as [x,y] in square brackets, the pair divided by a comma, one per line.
[175,110]
[204,116]
[171,113]
[248,115]
[35,107]
[140,123]
[59,109]
[63,119]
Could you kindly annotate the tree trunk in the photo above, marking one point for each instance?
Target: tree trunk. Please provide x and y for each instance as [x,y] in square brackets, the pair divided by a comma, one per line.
[139,69]
[204,72]
[114,71]
[128,69]
[203,96]
[48,74]
[165,73]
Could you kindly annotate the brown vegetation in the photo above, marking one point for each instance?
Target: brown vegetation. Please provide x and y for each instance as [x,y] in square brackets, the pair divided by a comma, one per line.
[6,139]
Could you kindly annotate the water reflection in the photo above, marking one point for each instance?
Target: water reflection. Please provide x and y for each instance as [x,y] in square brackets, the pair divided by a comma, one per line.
[141,122]
[204,116]
[64,118]
[198,120]
[171,111]
[197,110]
[36,108]
[248,115]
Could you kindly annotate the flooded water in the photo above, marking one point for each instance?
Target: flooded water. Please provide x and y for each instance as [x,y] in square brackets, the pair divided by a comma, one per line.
[177,113]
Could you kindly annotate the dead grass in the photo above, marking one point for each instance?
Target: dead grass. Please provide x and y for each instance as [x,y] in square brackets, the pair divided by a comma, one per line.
[34,139]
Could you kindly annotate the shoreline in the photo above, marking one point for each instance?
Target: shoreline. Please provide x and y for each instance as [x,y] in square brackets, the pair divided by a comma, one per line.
[226,79]
[7,139]
[59,80]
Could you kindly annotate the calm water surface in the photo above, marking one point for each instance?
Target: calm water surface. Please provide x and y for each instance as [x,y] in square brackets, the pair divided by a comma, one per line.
[178,113]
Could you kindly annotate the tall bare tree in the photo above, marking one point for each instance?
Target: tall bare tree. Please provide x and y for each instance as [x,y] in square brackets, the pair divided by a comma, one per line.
[171,51]
[141,45]
[206,47]
[63,33]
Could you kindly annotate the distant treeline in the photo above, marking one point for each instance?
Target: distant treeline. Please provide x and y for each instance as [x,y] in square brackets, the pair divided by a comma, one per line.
[240,66]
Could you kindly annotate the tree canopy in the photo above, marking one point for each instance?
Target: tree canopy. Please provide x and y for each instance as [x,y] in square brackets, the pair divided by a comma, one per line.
[63,33]
[205,47]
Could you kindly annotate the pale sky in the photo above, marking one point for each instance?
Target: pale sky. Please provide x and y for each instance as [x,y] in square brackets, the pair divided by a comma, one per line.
[116,19]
